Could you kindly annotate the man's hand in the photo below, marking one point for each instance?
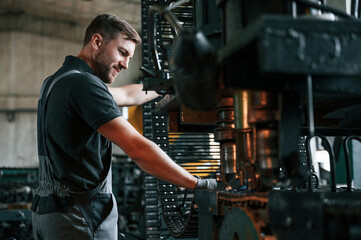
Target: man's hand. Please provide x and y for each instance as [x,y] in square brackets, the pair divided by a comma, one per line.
[206,184]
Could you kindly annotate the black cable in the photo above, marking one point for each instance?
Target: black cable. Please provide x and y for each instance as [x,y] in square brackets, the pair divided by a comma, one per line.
[325,8]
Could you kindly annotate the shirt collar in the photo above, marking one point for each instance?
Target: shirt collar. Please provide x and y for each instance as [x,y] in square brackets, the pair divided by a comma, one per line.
[78,63]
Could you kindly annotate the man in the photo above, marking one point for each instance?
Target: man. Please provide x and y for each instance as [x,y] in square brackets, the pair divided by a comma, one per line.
[77,116]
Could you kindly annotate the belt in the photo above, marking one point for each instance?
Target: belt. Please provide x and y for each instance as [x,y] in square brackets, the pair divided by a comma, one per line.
[53,203]
[50,203]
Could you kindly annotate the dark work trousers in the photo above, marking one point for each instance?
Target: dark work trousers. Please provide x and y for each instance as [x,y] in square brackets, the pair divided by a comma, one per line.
[92,220]
[60,214]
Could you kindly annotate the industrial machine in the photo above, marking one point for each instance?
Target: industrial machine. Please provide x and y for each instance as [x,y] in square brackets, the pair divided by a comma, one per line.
[16,185]
[253,92]
[263,96]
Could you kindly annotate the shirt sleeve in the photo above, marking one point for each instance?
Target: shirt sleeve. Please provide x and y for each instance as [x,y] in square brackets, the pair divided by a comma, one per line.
[91,100]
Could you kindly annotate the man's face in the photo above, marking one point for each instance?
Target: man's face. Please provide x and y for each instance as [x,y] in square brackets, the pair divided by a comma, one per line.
[113,56]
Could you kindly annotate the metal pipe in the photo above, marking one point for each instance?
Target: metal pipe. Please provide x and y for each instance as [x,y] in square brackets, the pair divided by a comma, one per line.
[310,118]
[244,133]
[294,9]
[309,163]
[242,101]
[228,158]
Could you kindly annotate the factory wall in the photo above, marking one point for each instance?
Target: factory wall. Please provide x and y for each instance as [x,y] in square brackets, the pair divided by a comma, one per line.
[26,59]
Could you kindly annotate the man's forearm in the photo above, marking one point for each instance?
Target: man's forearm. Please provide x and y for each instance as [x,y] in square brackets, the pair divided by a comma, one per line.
[131,95]
[148,155]
[154,161]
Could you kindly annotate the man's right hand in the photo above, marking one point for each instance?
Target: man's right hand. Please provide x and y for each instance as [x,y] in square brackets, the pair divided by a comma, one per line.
[206,184]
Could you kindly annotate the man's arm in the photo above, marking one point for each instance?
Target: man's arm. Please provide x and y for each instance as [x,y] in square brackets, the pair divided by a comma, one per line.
[146,154]
[131,95]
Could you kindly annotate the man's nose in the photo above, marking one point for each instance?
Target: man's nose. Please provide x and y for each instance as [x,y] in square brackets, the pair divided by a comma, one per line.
[124,63]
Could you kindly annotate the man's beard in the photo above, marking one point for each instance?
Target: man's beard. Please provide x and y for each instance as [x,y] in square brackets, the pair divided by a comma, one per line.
[103,67]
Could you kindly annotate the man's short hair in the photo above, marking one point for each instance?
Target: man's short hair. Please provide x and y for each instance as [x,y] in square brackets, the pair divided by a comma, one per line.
[109,26]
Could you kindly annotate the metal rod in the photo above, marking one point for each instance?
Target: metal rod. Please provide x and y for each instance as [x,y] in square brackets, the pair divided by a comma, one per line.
[309,163]
[310,118]
[311,128]
[294,9]
[348,161]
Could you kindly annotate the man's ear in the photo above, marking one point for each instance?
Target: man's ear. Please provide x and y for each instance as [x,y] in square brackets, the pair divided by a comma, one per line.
[97,41]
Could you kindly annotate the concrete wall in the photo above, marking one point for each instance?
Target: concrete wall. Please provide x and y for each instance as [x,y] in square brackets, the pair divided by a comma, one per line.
[26,59]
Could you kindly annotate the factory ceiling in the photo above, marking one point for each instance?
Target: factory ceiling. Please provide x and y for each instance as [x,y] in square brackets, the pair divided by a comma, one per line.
[64,19]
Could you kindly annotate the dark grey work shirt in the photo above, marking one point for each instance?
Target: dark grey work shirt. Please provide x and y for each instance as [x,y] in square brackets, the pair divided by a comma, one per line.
[77,106]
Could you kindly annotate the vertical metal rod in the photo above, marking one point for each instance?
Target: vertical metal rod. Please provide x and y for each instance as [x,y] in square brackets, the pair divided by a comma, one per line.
[294,9]
[311,131]
[311,127]
[310,118]
[309,163]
